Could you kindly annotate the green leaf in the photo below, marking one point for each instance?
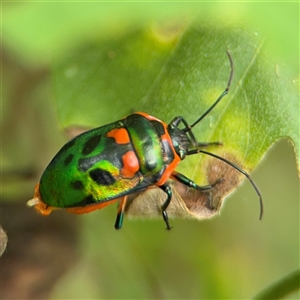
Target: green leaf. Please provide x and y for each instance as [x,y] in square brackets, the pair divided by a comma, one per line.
[36,31]
[107,80]
[281,289]
[179,69]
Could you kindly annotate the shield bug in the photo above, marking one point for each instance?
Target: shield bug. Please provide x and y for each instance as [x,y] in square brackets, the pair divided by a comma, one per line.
[108,163]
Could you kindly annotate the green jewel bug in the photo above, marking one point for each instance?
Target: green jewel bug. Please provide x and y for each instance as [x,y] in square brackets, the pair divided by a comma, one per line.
[108,163]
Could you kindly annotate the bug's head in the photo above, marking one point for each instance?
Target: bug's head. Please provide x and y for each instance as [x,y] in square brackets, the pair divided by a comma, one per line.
[181,141]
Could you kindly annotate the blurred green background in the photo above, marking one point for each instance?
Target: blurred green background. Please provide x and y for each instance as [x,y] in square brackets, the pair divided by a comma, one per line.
[232,256]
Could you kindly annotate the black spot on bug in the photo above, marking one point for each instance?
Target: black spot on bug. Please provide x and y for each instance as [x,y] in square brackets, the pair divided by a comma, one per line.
[159,128]
[77,185]
[91,144]
[68,159]
[102,177]
[67,146]
[87,201]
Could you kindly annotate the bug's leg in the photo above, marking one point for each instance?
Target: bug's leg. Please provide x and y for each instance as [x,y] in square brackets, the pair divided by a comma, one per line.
[166,188]
[120,214]
[187,128]
[190,183]
[177,120]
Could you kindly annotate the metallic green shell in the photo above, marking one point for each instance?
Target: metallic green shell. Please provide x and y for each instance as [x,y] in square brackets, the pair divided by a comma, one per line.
[87,169]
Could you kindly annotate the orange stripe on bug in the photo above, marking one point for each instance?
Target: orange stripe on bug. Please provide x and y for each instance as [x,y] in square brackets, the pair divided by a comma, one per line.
[120,135]
[39,204]
[130,164]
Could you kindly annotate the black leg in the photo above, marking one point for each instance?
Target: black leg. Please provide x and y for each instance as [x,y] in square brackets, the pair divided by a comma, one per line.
[120,214]
[186,181]
[166,188]
[187,128]
[190,183]
[177,120]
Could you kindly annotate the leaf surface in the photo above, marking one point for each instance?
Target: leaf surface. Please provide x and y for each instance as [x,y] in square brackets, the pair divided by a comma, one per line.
[181,69]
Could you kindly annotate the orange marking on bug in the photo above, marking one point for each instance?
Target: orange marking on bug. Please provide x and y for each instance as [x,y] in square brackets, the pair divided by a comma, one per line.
[89,208]
[171,167]
[44,208]
[39,204]
[130,164]
[166,175]
[120,135]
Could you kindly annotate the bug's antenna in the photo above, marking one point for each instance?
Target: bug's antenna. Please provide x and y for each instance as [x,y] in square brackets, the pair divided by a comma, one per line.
[225,92]
[261,204]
